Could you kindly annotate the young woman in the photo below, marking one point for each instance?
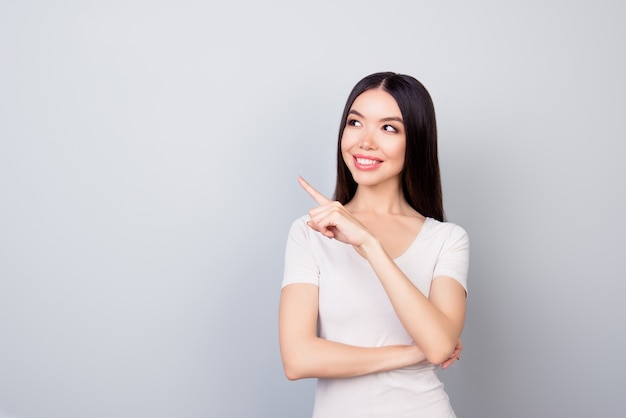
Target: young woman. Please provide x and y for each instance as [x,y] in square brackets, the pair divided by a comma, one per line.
[374,290]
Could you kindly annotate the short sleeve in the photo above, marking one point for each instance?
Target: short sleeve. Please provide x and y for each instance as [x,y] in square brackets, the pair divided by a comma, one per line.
[300,263]
[454,257]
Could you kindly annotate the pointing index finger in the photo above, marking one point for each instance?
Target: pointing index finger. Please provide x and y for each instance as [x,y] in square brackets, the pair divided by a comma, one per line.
[317,196]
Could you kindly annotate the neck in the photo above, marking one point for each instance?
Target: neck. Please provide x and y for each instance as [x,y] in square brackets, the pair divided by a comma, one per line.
[379,199]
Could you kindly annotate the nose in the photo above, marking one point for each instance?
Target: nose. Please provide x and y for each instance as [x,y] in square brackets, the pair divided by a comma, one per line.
[367,140]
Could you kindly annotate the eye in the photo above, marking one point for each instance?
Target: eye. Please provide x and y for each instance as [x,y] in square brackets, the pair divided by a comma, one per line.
[389,128]
[354,122]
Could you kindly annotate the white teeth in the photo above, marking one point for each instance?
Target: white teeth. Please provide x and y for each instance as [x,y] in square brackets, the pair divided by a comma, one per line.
[364,161]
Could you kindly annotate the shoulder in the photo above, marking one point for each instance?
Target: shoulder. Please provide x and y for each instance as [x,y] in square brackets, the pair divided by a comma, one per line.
[302,254]
[452,244]
[301,233]
[301,220]
[299,226]
[303,237]
[437,230]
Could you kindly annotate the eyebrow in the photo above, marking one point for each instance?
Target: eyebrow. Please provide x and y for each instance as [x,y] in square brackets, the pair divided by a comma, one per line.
[388,119]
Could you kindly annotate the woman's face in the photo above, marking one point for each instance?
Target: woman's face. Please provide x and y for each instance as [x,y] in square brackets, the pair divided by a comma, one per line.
[373,142]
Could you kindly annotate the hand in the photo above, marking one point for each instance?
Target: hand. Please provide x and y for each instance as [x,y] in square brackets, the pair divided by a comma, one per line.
[456,355]
[333,220]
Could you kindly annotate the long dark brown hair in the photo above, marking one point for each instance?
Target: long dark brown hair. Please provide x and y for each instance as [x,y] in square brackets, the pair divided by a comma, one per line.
[421,181]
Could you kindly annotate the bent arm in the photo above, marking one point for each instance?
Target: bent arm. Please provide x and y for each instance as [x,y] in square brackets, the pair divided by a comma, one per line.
[434,323]
[304,354]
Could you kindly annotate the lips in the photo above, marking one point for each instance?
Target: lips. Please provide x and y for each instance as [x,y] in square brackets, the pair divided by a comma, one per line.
[363,162]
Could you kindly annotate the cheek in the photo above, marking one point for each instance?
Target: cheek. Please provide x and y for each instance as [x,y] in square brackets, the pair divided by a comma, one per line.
[396,150]
[346,156]
[346,142]
[400,150]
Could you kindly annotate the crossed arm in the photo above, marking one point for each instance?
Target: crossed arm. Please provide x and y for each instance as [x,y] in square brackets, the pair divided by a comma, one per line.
[434,323]
[304,354]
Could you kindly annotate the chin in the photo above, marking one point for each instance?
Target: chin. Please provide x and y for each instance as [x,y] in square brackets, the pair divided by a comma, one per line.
[366,179]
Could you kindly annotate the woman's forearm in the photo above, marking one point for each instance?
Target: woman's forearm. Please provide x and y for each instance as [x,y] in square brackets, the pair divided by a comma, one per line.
[304,354]
[434,331]
[319,358]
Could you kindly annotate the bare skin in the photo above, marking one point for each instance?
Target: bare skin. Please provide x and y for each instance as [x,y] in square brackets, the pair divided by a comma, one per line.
[305,354]
[380,225]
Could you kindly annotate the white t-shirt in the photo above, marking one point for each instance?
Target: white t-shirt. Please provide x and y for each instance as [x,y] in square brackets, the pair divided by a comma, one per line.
[354,309]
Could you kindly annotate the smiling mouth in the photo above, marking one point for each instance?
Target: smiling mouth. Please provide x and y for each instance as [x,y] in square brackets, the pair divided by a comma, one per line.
[365,163]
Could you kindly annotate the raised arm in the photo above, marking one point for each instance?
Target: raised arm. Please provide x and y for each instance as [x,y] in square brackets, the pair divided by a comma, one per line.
[435,323]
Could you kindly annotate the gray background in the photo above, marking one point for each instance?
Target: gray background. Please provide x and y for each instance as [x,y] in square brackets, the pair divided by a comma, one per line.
[148,160]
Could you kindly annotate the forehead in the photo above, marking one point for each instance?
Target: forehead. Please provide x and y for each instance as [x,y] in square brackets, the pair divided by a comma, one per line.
[376,103]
